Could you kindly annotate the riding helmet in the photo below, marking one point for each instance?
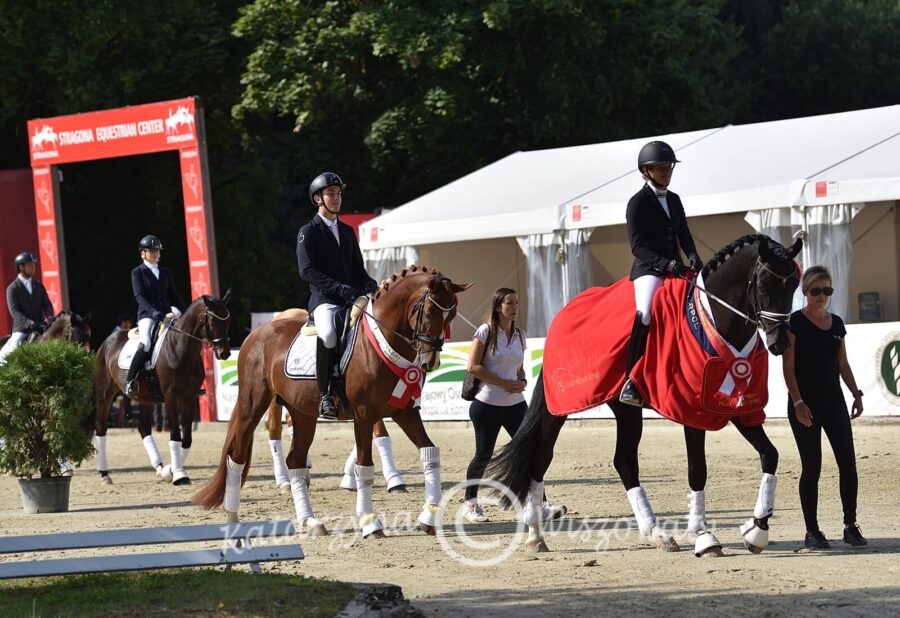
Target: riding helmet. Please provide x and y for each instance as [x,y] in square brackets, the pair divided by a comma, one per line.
[656,153]
[325,179]
[25,258]
[150,242]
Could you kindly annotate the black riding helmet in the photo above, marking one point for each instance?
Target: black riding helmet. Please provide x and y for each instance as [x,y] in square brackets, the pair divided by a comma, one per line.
[25,258]
[150,242]
[325,179]
[656,153]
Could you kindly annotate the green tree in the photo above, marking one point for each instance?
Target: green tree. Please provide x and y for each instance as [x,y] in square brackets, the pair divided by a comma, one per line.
[404,97]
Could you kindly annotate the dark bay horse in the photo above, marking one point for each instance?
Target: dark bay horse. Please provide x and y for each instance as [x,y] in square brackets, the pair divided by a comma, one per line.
[274,426]
[179,375]
[409,312]
[65,325]
[756,277]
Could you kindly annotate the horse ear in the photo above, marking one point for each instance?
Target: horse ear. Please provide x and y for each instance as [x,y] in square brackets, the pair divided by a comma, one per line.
[206,300]
[227,296]
[794,249]
[461,287]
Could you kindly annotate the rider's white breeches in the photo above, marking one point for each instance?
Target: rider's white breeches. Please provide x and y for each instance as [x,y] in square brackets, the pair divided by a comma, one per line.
[324,318]
[15,340]
[145,329]
[645,287]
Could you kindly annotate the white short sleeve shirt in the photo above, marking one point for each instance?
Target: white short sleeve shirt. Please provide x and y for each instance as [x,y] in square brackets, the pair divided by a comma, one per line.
[504,364]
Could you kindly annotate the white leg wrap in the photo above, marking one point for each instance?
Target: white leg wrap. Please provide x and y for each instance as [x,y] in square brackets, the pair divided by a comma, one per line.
[431,465]
[531,515]
[152,451]
[278,465]
[391,476]
[643,512]
[177,460]
[184,455]
[300,493]
[232,501]
[349,480]
[365,479]
[765,501]
[697,511]
[100,445]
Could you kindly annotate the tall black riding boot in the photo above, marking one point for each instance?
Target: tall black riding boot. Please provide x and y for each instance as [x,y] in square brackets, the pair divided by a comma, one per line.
[636,346]
[137,363]
[324,361]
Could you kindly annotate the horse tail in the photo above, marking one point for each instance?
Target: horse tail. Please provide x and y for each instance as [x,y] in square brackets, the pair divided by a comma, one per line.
[513,465]
[212,494]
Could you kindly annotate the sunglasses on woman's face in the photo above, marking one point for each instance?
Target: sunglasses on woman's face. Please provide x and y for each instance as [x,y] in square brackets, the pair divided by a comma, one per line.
[827,291]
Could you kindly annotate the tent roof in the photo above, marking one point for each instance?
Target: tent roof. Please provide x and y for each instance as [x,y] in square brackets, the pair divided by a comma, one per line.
[847,157]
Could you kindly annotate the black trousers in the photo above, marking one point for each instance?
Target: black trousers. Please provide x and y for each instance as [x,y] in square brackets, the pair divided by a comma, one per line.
[487,421]
[835,421]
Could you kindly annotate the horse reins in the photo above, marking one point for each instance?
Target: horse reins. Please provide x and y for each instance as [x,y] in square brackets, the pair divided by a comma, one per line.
[208,339]
[419,309]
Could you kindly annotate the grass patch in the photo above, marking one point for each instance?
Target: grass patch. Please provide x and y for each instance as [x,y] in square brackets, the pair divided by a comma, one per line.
[198,592]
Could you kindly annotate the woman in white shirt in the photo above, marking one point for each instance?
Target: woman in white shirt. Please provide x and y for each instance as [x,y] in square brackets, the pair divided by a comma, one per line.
[496,358]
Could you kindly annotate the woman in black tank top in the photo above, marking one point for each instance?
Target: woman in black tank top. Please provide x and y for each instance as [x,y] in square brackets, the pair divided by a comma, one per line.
[814,364]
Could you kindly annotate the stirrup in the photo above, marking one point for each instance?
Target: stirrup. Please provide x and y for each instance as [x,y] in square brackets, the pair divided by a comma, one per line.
[327,408]
[630,395]
[131,388]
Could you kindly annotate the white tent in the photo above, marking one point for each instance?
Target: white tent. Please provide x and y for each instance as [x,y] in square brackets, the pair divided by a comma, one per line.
[540,197]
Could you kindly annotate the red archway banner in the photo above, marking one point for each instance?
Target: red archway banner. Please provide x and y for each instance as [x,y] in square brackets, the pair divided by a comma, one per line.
[140,129]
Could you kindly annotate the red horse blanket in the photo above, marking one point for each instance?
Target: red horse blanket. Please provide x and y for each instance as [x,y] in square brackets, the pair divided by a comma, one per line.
[689,374]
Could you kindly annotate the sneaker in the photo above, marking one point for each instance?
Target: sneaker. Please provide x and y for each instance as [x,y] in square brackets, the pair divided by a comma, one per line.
[816,540]
[474,513]
[853,536]
[327,409]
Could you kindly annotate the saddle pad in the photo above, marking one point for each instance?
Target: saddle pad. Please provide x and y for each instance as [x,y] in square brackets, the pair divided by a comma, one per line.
[131,346]
[300,361]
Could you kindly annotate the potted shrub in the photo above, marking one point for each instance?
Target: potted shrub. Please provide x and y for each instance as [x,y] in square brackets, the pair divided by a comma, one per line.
[46,415]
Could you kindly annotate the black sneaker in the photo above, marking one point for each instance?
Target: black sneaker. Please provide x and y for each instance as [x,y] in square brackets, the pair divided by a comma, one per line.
[816,540]
[853,536]
[327,410]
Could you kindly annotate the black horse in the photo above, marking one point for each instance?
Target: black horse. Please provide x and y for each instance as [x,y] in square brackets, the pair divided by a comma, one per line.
[755,277]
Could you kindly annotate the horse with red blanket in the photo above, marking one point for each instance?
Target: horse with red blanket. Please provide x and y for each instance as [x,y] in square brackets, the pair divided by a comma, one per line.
[705,366]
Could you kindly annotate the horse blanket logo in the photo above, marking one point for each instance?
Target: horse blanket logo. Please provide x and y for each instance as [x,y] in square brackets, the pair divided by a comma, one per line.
[688,373]
[45,136]
[887,366]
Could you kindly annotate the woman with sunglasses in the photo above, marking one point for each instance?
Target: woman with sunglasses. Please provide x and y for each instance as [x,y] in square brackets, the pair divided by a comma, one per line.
[813,366]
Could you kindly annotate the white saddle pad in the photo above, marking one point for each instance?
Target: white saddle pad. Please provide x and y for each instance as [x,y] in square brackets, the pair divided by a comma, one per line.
[131,346]
[300,361]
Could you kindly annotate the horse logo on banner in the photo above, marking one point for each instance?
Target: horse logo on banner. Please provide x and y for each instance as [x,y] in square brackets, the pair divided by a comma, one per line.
[181,117]
[45,136]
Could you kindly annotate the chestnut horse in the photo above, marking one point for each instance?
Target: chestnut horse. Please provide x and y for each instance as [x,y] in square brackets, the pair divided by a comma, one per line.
[65,325]
[407,317]
[274,424]
[179,376]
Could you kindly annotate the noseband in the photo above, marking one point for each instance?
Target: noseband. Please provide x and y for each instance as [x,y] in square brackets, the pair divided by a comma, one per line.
[207,336]
[768,320]
[434,345]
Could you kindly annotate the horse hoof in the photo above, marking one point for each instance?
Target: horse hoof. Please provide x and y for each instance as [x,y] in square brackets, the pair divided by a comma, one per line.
[284,489]
[106,480]
[165,474]
[399,489]
[714,552]
[667,544]
[185,480]
[376,534]
[320,530]
[753,549]
[537,546]
[429,530]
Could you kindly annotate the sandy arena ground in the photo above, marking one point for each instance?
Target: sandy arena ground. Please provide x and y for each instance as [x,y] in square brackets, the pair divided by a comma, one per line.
[599,563]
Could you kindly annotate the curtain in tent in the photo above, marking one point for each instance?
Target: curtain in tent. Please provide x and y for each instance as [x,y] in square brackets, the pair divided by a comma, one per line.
[830,243]
[559,267]
[382,263]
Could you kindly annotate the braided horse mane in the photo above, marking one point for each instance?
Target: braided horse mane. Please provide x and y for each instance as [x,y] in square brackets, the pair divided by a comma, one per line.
[732,248]
[385,285]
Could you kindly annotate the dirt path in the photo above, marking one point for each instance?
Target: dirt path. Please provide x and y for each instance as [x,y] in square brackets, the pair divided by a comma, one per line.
[625,576]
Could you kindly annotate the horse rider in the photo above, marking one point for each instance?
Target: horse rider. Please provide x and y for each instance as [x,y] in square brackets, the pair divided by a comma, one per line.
[657,226]
[329,259]
[28,304]
[154,290]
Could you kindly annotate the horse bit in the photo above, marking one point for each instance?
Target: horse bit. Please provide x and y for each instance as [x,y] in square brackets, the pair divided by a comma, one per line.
[208,338]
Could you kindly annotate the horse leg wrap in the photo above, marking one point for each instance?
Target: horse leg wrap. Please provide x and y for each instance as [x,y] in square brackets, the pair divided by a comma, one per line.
[278,465]
[349,480]
[365,479]
[388,469]
[431,465]
[534,501]
[100,445]
[184,455]
[765,501]
[233,473]
[153,452]
[300,493]
[697,511]
[643,512]
[177,460]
